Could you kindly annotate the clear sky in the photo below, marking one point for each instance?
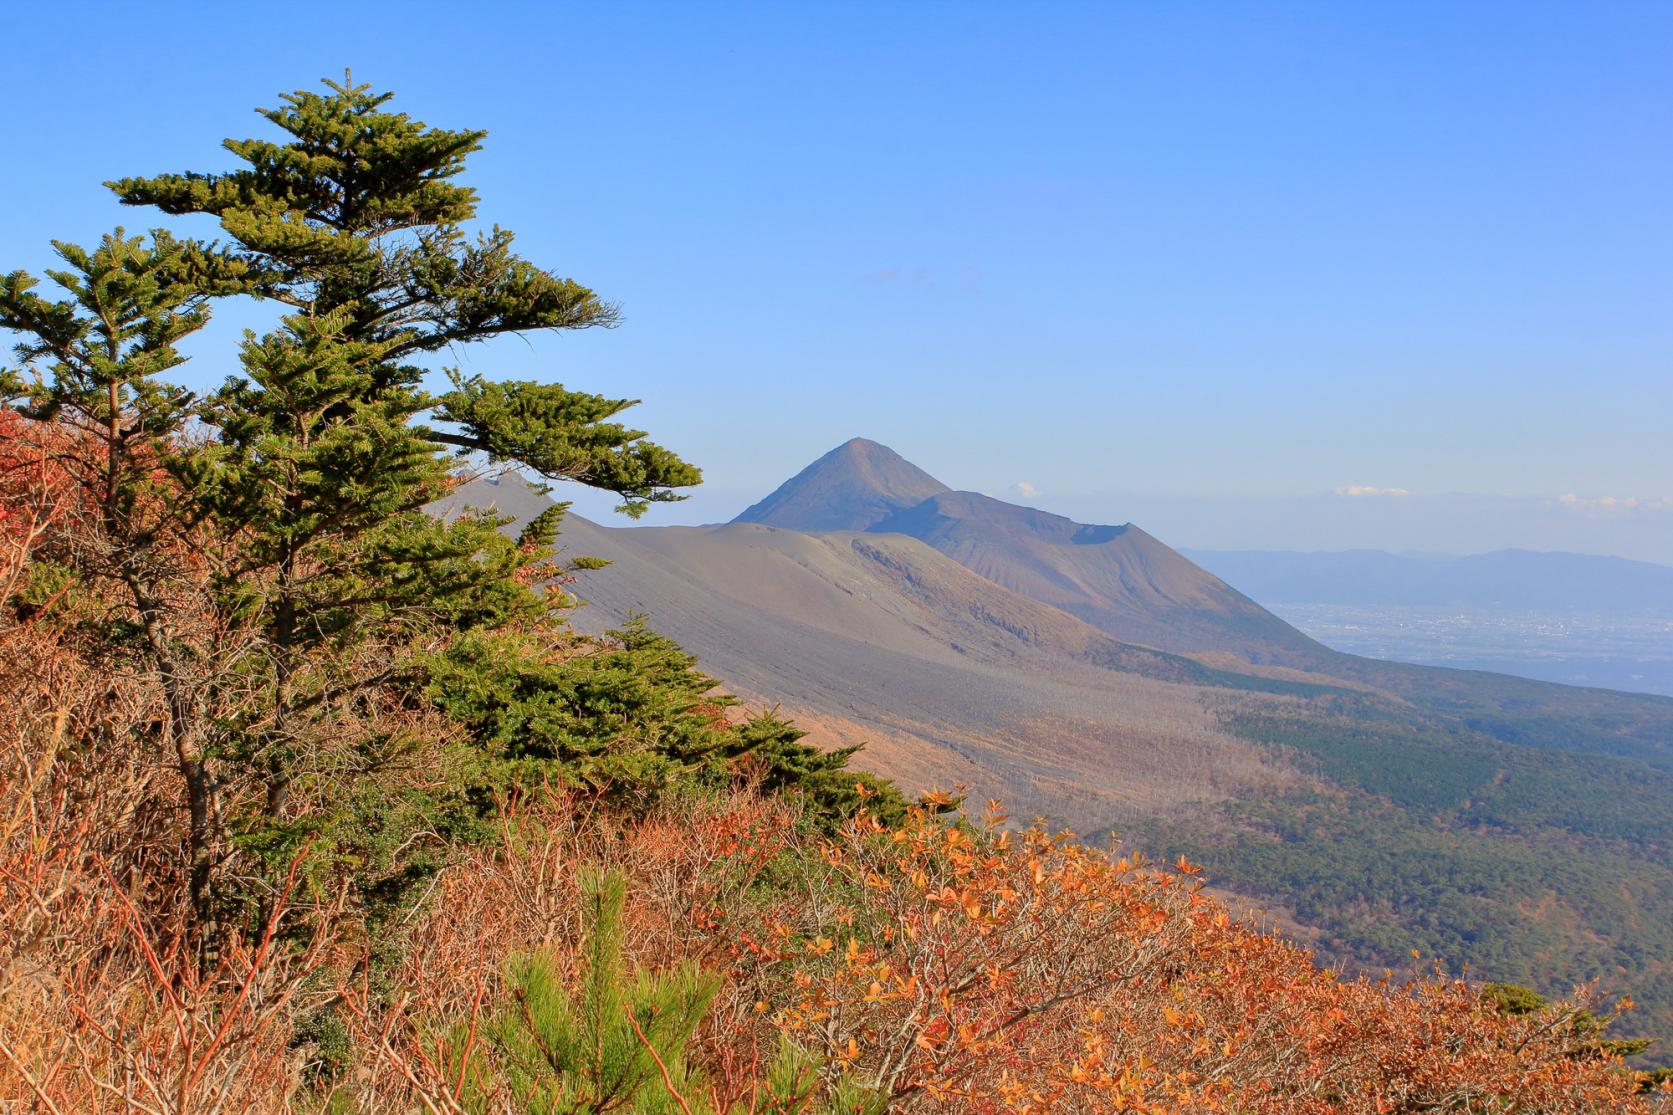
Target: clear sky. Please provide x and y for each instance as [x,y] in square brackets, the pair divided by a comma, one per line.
[1130,256]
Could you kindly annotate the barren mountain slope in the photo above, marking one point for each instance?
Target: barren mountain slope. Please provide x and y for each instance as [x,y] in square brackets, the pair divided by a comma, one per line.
[949,677]
[1139,591]
[1117,578]
[995,690]
[852,487]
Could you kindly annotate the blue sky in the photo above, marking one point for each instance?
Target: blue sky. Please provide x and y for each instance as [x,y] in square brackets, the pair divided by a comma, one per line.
[1132,256]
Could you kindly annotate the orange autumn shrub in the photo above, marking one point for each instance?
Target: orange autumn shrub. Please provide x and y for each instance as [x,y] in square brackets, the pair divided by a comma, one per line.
[966,969]
[1000,971]
[950,969]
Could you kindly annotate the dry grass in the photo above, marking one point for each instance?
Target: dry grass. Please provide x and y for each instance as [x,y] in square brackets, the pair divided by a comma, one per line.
[107,1003]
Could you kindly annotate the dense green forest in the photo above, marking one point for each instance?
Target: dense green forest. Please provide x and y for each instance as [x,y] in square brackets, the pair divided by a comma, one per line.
[1423,836]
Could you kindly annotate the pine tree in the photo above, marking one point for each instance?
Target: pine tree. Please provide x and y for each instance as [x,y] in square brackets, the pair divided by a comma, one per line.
[598,1050]
[263,550]
[773,754]
[619,1043]
[336,674]
[633,712]
[1585,1030]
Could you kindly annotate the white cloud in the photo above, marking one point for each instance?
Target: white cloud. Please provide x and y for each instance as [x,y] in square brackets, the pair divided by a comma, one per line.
[1612,505]
[1025,489]
[1356,490]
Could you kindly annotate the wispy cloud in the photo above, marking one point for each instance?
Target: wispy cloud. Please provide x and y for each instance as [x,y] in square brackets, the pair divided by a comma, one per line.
[1612,505]
[1024,489]
[1359,490]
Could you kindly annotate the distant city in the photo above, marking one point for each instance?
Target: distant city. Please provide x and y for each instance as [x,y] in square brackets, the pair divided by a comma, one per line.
[1609,649]
[1571,618]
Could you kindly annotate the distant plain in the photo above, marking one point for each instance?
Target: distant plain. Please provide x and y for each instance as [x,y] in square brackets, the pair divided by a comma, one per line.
[1613,650]
[1576,619]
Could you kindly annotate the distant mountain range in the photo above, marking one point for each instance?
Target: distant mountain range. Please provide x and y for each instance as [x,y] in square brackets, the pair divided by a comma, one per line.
[1505,579]
[1094,676]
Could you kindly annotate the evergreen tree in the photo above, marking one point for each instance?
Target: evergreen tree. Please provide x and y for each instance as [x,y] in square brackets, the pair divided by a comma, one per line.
[264,551]
[336,673]
[1585,1030]
[620,1042]
[98,355]
[633,711]
[599,1050]
[773,754]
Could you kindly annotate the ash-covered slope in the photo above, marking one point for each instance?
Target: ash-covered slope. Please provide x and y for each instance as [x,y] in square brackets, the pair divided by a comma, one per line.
[948,678]
[1139,591]
[1117,578]
[853,487]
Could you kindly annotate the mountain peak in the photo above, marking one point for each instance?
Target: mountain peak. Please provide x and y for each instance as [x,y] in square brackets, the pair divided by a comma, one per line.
[853,487]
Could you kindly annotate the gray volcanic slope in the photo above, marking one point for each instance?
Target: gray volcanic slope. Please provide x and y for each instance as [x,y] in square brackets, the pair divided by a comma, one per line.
[948,677]
[853,487]
[1117,578]
[1139,591]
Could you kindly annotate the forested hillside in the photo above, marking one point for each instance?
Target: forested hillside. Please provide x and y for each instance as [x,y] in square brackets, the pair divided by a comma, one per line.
[1512,862]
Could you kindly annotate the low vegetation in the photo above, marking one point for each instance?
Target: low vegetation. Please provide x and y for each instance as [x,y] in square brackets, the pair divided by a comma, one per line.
[313,801]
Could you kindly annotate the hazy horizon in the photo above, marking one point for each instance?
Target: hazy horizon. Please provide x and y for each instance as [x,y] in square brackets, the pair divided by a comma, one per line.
[1447,523]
